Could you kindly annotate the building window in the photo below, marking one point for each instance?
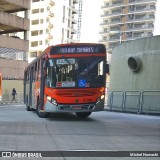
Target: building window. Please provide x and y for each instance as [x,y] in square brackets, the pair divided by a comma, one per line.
[105,21]
[68,23]
[150,34]
[34,33]
[47,19]
[151,16]
[63,14]
[42,10]
[46,42]
[68,34]
[35,1]
[41,21]
[40,42]
[47,31]
[69,12]
[139,34]
[34,44]
[104,38]
[141,7]
[62,35]
[41,32]
[48,8]
[35,22]
[35,11]
[33,54]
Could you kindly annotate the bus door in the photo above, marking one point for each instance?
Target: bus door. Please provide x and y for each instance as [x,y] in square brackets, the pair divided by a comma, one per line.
[24,88]
[30,86]
[42,84]
[34,81]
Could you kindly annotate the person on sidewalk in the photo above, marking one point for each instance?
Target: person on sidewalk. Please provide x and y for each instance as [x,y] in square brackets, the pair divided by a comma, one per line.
[14,93]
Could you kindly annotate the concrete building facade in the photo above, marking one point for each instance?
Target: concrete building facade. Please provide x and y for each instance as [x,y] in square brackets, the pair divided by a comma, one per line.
[126,20]
[13,47]
[134,76]
[52,22]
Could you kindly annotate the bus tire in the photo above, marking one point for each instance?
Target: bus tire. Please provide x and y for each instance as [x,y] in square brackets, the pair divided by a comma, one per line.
[83,114]
[27,106]
[40,113]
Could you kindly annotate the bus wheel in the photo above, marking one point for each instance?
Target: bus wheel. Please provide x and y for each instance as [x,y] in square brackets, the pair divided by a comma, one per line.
[40,113]
[83,114]
[27,106]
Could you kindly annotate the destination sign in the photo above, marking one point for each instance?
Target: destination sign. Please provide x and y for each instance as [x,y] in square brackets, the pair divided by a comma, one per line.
[78,49]
[66,61]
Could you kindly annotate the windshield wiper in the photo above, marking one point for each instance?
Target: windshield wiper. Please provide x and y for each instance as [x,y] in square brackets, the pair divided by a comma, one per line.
[67,60]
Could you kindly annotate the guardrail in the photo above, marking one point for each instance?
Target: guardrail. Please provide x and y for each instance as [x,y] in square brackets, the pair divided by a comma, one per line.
[8,98]
[134,101]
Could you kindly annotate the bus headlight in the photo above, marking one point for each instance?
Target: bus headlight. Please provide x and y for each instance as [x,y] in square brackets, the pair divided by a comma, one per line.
[53,101]
[102,96]
[49,98]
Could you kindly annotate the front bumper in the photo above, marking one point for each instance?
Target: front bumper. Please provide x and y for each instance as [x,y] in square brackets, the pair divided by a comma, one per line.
[49,107]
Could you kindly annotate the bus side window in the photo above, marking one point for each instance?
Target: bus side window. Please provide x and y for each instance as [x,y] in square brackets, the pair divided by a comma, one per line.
[25,76]
[32,73]
[39,71]
[35,72]
[28,74]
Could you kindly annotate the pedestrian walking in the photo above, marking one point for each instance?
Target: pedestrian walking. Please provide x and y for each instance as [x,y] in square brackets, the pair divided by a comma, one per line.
[14,93]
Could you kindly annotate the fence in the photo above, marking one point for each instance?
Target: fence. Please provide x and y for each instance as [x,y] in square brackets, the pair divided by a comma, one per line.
[134,101]
[7,98]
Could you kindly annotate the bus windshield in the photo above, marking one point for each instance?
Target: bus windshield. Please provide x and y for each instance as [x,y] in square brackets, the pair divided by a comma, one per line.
[75,72]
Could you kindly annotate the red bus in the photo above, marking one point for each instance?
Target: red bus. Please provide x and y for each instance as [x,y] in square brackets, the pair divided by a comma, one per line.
[67,78]
[0,87]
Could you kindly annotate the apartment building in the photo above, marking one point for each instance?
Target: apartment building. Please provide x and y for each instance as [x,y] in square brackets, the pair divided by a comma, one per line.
[125,20]
[52,22]
[13,48]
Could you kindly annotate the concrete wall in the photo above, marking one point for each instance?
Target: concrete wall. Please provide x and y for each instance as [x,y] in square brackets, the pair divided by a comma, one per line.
[10,23]
[14,43]
[23,3]
[148,78]
[136,91]
[14,21]
[7,86]
[12,68]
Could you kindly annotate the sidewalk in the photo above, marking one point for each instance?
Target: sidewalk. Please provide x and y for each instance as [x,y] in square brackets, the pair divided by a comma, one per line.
[11,102]
[7,98]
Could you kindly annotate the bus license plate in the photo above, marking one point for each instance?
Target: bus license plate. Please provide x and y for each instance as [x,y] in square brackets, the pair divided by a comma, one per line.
[76,107]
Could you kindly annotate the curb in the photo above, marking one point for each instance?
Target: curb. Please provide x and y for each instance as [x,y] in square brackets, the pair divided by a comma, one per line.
[11,102]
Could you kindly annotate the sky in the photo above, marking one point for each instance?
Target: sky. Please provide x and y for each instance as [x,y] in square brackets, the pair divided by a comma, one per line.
[157,19]
[90,26]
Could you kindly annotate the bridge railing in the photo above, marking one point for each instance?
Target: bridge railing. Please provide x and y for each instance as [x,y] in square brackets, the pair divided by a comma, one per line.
[134,101]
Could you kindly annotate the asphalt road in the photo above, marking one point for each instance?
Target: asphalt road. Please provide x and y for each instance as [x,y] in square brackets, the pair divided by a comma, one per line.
[22,130]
